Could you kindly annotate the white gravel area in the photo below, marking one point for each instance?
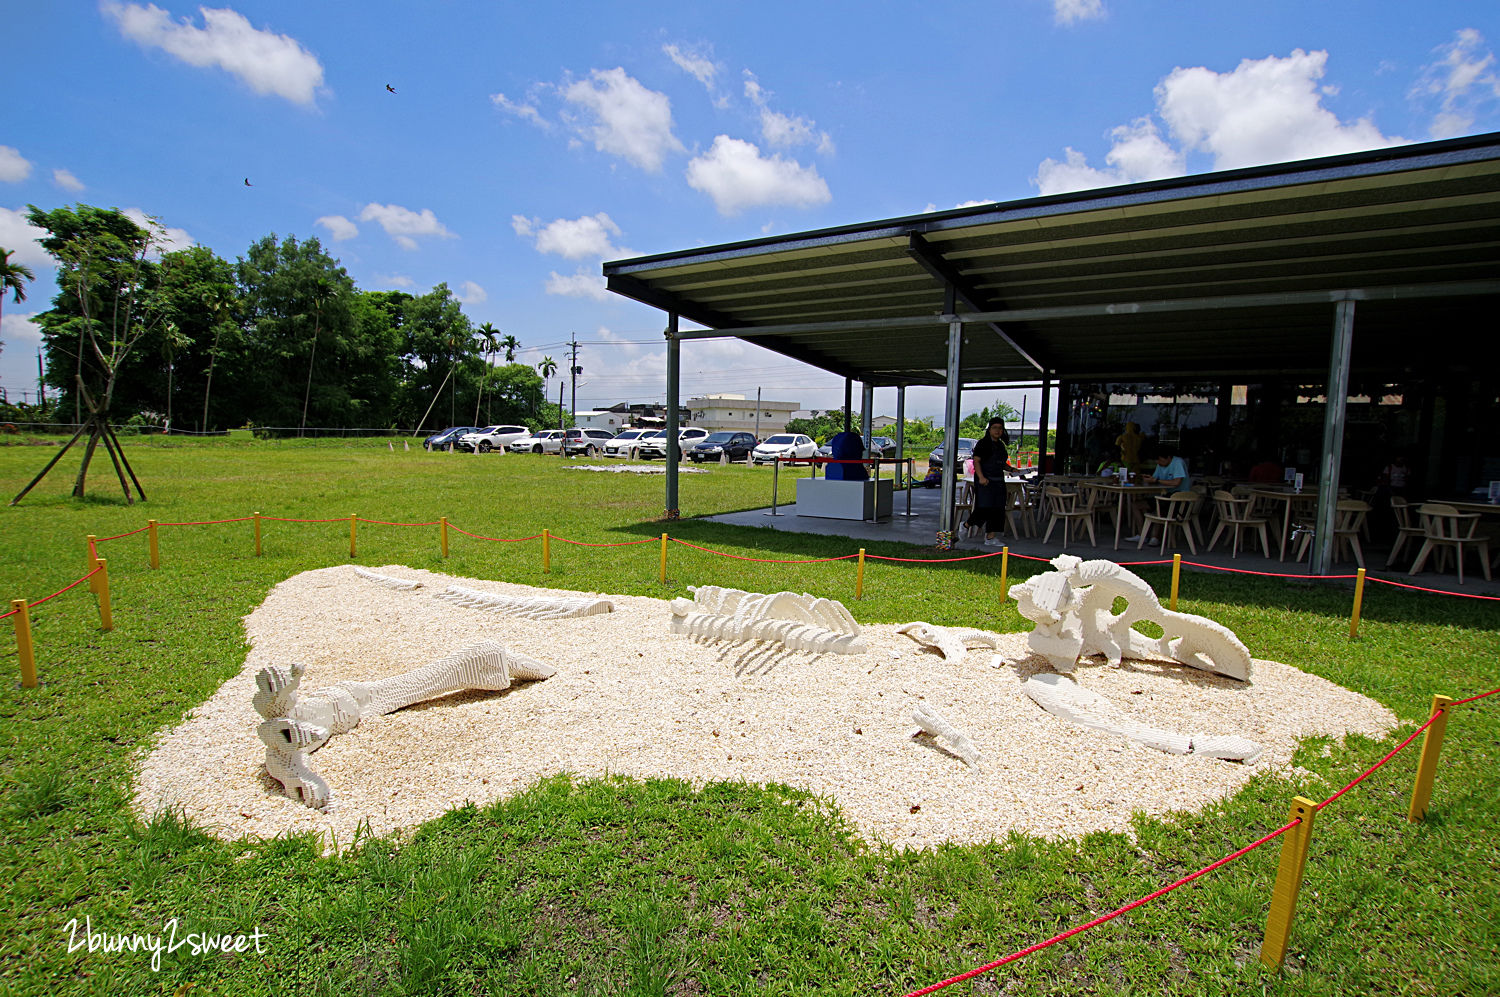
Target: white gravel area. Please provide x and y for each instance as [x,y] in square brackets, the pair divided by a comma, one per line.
[630,698]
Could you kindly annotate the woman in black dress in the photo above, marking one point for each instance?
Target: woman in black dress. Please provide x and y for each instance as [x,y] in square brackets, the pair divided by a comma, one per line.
[991,461]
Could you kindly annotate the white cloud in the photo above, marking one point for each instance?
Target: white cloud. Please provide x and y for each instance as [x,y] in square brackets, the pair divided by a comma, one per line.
[580,284]
[402,224]
[784,130]
[737,176]
[1069,11]
[14,167]
[974,204]
[1463,78]
[66,180]
[268,63]
[526,111]
[1264,111]
[168,240]
[20,332]
[700,67]
[395,280]
[339,228]
[21,237]
[574,238]
[628,120]
[471,293]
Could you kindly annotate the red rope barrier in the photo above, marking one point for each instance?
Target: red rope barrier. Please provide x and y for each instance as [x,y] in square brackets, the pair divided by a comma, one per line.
[936,560]
[60,591]
[1472,698]
[13,612]
[121,536]
[1418,588]
[1389,755]
[627,543]
[1265,574]
[761,560]
[381,522]
[242,519]
[500,540]
[281,519]
[1107,917]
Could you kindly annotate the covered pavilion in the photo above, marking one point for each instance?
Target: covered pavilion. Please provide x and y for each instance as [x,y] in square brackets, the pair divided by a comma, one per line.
[1380,266]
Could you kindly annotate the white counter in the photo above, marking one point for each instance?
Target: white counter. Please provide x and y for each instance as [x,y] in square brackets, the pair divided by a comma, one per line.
[863,500]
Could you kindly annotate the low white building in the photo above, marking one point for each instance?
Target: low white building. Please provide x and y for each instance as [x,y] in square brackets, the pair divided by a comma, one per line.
[606,419]
[736,412]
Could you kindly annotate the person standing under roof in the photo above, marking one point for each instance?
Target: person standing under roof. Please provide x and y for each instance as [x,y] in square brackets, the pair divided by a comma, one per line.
[991,497]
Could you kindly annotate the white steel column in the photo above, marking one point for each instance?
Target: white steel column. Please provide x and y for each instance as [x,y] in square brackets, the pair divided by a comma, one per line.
[950,425]
[1336,394]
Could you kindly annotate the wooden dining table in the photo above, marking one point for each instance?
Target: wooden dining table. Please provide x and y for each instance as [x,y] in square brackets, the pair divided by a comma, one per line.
[1123,491]
[1288,499]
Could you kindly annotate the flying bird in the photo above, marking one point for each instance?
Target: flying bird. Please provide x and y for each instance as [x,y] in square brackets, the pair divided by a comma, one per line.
[248,183]
[390,88]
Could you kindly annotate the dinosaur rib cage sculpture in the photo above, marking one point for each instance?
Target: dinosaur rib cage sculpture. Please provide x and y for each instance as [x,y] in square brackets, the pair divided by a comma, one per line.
[801,622]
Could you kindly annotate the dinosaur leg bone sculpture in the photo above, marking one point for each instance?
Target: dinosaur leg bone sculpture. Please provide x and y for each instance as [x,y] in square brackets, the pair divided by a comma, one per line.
[932,722]
[296,726]
[950,642]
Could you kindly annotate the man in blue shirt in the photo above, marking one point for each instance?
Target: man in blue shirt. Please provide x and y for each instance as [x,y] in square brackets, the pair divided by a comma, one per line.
[1171,470]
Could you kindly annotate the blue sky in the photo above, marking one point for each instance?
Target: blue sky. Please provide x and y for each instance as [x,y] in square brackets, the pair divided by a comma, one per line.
[525,144]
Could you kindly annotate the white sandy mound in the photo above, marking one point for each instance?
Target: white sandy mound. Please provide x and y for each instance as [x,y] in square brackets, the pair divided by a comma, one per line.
[631,698]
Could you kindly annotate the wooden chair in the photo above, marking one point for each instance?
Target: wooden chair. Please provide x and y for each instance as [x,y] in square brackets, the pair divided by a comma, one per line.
[1405,528]
[1062,507]
[1019,512]
[1173,511]
[1348,525]
[1444,527]
[1234,516]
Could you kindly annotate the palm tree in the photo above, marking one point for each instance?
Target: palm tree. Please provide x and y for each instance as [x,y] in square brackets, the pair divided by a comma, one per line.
[486,333]
[219,304]
[13,277]
[546,368]
[172,340]
[320,294]
[510,344]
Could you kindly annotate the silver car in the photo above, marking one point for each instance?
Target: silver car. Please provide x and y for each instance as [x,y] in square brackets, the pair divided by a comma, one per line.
[626,444]
[542,441]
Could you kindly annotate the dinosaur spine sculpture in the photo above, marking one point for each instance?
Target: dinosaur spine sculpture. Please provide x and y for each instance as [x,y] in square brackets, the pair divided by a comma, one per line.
[801,622]
[1066,699]
[1072,608]
[296,726]
[526,607]
[389,581]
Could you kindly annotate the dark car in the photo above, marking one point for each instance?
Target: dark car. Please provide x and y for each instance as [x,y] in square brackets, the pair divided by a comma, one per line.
[448,437]
[879,446]
[585,441]
[965,451]
[715,445]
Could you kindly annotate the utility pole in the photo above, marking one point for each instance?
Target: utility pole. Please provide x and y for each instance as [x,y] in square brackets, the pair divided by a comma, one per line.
[41,384]
[575,371]
[757,414]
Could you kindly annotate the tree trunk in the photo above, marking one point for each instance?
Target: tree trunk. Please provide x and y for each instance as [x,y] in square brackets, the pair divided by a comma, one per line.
[302,430]
[88,455]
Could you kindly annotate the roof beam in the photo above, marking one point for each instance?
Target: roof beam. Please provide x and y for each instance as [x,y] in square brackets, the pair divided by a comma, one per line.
[630,287]
[934,262]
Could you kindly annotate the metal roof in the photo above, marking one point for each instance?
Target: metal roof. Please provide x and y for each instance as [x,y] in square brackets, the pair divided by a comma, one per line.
[1224,273]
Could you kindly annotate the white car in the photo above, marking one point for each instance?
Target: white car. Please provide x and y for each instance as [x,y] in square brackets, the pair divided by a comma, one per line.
[784,445]
[492,438]
[542,441]
[654,445]
[624,445]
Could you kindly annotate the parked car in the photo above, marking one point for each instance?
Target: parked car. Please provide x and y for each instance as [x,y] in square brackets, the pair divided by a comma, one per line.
[541,441]
[449,436]
[587,442]
[784,445]
[715,445]
[491,438]
[654,445]
[965,451]
[877,446]
[625,444]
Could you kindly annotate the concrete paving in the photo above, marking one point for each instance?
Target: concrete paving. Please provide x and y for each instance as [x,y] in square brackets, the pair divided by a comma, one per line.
[920,530]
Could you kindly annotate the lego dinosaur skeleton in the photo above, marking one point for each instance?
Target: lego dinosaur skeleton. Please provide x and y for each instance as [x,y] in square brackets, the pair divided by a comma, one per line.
[801,622]
[389,581]
[526,607]
[297,725]
[950,642]
[932,722]
[1064,698]
[1073,609]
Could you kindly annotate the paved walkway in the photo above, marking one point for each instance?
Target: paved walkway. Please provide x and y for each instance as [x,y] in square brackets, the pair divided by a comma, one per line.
[920,530]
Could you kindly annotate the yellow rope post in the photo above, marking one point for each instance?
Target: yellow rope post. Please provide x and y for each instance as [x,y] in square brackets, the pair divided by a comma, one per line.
[1359,598]
[22,620]
[1004,574]
[106,618]
[859,577]
[546,551]
[1288,882]
[155,550]
[353,528]
[90,557]
[1432,743]
[663,575]
[444,533]
[1176,578]
[257,534]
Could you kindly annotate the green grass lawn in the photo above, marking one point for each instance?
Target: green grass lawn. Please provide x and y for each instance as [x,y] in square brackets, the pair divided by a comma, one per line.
[624,887]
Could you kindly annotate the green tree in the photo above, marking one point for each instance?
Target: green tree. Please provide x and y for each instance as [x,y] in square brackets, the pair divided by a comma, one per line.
[510,344]
[823,427]
[173,339]
[219,302]
[973,425]
[439,354]
[13,278]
